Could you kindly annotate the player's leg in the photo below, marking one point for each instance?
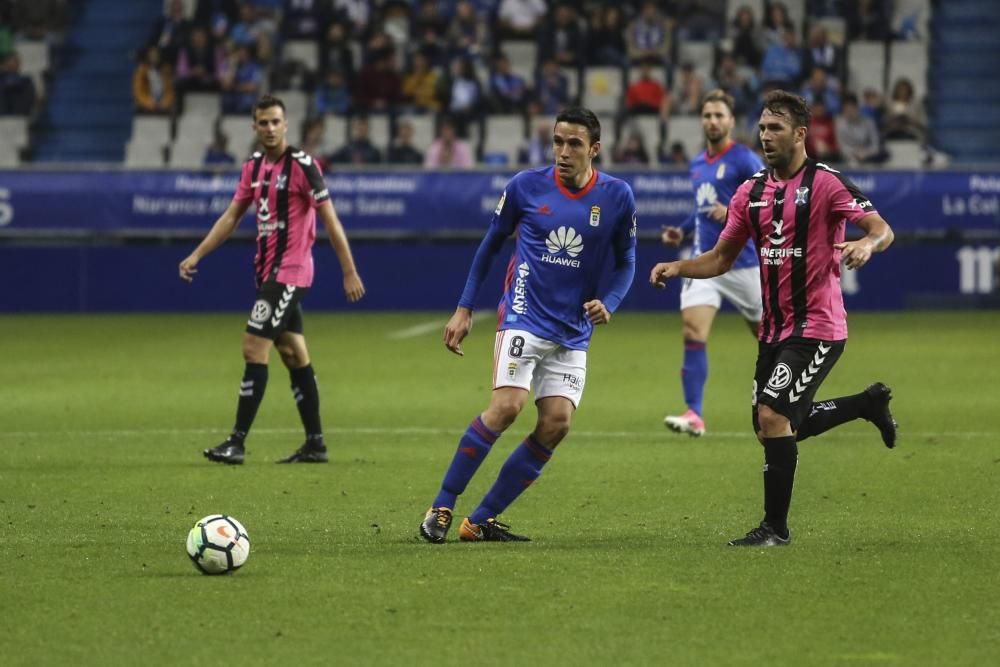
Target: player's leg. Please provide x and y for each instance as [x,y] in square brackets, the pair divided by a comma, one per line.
[871,404]
[558,385]
[291,344]
[700,301]
[786,378]
[514,359]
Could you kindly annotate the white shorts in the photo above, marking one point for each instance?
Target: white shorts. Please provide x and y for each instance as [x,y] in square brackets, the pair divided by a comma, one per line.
[740,287]
[522,359]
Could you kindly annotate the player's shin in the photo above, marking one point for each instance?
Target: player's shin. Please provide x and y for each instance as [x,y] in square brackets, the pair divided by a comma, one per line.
[825,415]
[780,460]
[472,450]
[251,394]
[519,471]
[306,393]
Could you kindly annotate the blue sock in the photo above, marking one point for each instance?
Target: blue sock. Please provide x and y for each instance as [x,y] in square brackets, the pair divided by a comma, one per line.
[694,373]
[472,450]
[521,469]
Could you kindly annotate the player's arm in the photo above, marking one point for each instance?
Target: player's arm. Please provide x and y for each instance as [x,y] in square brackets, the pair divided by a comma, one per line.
[713,263]
[353,287]
[599,311]
[672,236]
[878,236]
[217,235]
[460,324]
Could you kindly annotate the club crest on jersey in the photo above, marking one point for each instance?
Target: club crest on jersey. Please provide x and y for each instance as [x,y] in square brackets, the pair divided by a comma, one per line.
[281,182]
[512,370]
[595,216]
[721,171]
[801,196]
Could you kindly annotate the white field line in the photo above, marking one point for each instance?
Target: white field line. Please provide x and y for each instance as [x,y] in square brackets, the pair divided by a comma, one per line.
[430,431]
[431,326]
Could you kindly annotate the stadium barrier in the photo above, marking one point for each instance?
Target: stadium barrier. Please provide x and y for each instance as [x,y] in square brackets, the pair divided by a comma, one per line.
[110,240]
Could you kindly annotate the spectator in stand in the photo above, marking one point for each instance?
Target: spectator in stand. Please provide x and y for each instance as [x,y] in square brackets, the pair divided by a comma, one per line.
[253,29]
[776,23]
[420,86]
[561,38]
[17,91]
[520,19]
[650,36]
[359,149]
[867,20]
[335,53]
[468,34]
[200,63]
[464,94]
[402,150]
[647,95]
[537,151]
[448,150]
[36,19]
[552,88]
[606,45]
[314,140]
[217,154]
[820,52]
[690,89]
[631,150]
[171,31]
[782,64]
[356,13]
[305,19]
[241,82]
[821,140]
[857,135]
[378,85]
[508,90]
[873,106]
[153,84]
[700,20]
[427,31]
[333,95]
[821,86]
[904,115]
[677,156]
[748,39]
[209,13]
[740,82]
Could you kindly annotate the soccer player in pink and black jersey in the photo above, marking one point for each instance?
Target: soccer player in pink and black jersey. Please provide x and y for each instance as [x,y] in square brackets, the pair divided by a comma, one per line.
[795,211]
[287,189]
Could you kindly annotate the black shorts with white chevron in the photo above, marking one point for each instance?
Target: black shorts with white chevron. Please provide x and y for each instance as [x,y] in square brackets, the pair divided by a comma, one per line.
[276,310]
[788,374]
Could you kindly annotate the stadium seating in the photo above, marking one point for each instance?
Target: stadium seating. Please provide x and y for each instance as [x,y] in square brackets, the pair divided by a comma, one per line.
[34,62]
[523,57]
[602,89]
[305,51]
[909,59]
[905,154]
[699,54]
[866,66]
[504,136]
[13,138]
[686,130]
[150,135]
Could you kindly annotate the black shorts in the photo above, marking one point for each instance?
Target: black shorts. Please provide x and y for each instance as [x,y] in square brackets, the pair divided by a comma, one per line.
[789,373]
[276,310]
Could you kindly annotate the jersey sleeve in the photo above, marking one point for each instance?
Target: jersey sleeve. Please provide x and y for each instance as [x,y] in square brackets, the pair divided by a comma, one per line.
[737,227]
[624,253]
[846,200]
[502,224]
[244,191]
[312,179]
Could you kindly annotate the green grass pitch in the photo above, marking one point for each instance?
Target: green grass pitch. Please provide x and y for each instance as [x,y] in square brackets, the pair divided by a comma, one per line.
[103,419]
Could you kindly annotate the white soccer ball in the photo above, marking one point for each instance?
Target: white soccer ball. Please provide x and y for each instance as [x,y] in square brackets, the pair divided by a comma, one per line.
[218,544]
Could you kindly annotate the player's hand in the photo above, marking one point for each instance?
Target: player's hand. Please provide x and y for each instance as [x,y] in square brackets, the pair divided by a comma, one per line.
[188,267]
[855,253]
[661,273]
[718,213]
[671,236]
[353,287]
[597,313]
[457,329]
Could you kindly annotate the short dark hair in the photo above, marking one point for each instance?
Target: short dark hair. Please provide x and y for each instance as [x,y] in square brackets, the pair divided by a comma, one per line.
[266,102]
[783,103]
[719,95]
[581,116]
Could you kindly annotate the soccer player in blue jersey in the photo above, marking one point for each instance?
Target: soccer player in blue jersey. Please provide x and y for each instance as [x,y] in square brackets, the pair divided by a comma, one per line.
[568,220]
[715,175]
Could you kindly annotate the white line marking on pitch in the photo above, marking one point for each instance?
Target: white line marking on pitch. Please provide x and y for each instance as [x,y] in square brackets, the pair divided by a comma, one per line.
[433,325]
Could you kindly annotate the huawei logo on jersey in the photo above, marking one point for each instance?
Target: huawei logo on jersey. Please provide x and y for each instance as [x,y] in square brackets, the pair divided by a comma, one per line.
[706,195]
[564,239]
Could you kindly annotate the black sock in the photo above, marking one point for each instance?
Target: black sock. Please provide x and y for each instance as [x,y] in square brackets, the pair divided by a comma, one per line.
[780,458]
[827,414]
[306,394]
[251,393]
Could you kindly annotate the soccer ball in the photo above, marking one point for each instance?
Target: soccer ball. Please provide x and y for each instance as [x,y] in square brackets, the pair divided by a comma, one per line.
[218,544]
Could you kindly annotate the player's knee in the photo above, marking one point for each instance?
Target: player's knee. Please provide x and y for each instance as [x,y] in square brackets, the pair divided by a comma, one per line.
[289,354]
[693,332]
[253,352]
[502,413]
[551,429]
[770,421]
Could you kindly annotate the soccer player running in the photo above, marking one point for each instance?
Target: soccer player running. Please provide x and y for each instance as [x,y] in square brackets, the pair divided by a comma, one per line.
[287,188]
[715,175]
[569,220]
[795,212]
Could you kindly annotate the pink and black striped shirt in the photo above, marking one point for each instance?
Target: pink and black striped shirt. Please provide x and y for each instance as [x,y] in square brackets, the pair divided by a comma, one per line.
[794,224]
